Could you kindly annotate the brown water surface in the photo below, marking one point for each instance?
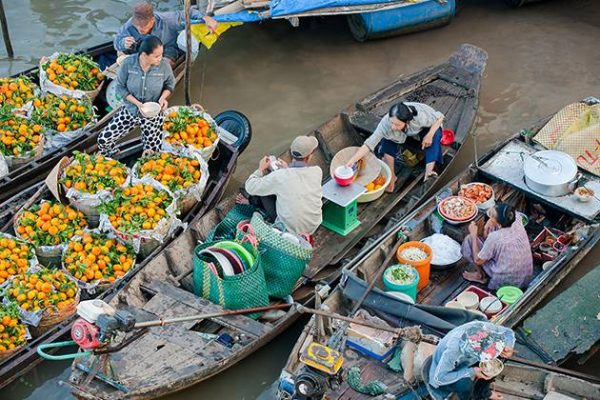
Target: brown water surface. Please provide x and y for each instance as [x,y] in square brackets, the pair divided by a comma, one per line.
[289,80]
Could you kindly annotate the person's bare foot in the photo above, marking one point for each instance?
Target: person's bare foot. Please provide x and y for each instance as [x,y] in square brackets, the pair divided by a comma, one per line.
[241,199]
[496,396]
[473,277]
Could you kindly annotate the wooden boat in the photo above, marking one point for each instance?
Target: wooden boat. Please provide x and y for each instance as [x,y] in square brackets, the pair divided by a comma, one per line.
[169,359]
[447,282]
[36,170]
[409,18]
[572,321]
[221,167]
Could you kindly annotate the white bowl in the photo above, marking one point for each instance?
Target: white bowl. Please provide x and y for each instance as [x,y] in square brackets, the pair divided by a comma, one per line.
[454,304]
[469,300]
[490,305]
[150,109]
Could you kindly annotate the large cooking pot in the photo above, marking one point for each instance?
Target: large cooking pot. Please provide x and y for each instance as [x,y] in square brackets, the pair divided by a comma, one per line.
[550,173]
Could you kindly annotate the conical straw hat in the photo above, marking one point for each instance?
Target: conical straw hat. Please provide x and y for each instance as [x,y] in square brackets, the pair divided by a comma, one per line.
[371,168]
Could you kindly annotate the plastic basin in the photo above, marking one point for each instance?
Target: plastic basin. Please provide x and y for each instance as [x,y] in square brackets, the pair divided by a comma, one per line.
[375,194]
[409,289]
[422,267]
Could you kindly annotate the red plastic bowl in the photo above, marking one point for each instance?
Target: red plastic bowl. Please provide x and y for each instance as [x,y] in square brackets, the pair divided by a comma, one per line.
[447,137]
[343,175]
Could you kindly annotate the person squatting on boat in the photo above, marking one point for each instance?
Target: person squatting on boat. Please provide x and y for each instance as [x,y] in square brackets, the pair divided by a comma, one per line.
[503,254]
[406,120]
[291,193]
[164,25]
[455,363]
[142,77]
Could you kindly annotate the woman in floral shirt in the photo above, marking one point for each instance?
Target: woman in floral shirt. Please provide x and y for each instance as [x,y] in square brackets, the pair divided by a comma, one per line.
[454,367]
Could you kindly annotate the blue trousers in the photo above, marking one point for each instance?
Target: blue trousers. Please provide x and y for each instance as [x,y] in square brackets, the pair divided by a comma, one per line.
[432,154]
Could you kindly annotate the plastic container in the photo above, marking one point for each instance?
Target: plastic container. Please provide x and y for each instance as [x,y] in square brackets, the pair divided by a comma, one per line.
[375,194]
[409,289]
[344,175]
[509,294]
[422,267]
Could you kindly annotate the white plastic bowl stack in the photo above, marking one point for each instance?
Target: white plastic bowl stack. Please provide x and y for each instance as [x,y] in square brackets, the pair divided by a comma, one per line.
[469,300]
[150,109]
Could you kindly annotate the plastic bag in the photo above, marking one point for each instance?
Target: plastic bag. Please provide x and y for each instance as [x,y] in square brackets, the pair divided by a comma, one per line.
[188,195]
[48,86]
[145,241]
[205,152]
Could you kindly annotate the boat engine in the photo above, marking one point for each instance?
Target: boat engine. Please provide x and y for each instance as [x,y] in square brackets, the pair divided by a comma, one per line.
[98,324]
[321,371]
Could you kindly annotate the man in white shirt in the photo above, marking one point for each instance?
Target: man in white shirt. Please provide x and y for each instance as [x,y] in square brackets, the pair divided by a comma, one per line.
[296,188]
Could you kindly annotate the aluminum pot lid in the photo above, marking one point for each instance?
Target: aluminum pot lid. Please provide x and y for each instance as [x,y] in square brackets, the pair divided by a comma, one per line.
[550,167]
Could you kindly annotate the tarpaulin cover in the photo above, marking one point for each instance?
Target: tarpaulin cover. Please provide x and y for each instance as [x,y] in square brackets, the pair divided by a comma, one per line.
[281,8]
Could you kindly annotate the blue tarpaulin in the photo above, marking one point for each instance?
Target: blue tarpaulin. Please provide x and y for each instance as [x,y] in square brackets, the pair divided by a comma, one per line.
[281,8]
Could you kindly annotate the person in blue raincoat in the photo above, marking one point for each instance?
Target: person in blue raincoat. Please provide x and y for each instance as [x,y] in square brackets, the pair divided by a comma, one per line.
[455,362]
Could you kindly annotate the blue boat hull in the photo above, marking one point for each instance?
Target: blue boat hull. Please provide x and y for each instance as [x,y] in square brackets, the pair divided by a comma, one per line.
[407,19]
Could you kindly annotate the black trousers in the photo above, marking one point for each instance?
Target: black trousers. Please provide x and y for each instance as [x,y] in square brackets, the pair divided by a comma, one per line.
[266,204]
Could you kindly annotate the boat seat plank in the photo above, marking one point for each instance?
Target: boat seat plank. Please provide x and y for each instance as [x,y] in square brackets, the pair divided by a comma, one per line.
[166,307]
[365,122]
[567,324]
[200,305]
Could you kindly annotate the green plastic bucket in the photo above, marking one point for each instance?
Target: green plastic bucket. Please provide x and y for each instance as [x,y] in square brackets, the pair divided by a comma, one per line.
[409,289]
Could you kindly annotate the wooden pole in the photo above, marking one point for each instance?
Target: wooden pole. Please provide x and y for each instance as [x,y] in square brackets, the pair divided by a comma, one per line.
[5,35]
[188,52]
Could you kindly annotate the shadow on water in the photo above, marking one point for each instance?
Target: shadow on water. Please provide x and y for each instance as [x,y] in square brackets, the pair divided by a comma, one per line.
[288,80]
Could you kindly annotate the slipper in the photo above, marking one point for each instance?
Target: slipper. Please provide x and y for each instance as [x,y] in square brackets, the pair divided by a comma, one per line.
[432,175]
[482,281]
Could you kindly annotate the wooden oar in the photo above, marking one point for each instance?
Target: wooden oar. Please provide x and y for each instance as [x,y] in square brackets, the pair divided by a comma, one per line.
[166,321]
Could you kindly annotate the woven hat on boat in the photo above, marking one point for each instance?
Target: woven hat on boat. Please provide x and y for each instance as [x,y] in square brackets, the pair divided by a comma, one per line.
[369,169]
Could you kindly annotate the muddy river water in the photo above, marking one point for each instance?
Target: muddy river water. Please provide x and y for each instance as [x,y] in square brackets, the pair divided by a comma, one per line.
[288,80]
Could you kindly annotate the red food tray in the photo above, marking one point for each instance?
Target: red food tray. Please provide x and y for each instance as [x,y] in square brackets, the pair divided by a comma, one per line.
[481,294]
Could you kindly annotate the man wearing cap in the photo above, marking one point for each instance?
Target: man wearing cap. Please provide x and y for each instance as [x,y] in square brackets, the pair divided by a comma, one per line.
[296,187]
[164,25]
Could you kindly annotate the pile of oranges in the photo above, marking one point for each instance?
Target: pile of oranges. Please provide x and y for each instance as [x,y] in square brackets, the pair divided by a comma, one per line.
[14,257]
[74,71]
[41,290]
[49,224]
[136,208]
[175,172]
[12,332]
[16,91]
[92,173]
[18,136]
[97,258]
[377,183]
[62,113]
[186,127]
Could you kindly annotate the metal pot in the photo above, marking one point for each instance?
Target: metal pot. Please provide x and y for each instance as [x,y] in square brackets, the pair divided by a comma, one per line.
[550,173]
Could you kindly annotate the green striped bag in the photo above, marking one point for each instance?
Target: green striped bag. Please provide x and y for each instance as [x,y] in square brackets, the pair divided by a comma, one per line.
[283,261]
[236,292]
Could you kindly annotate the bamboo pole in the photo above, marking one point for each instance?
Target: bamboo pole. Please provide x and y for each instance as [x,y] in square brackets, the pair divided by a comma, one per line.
[5,34]
[188,52]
